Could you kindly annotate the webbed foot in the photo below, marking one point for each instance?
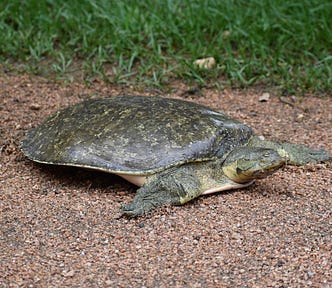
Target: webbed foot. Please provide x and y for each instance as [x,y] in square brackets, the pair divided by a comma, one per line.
[301,154]
[149,197]
[171,188]
[139,206]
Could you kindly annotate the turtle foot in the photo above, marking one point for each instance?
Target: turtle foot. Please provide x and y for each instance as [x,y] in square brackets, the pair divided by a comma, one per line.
[162,191]
[146,199]
[134,210]
[301,154]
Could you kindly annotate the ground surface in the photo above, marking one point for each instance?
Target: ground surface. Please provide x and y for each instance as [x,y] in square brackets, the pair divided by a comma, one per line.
[60,227]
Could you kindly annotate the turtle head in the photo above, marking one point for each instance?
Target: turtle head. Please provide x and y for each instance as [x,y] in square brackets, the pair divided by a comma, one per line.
[245,164]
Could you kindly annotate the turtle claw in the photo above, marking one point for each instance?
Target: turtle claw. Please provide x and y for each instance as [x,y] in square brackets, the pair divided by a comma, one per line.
[151,196]
[131,210]
[139,206]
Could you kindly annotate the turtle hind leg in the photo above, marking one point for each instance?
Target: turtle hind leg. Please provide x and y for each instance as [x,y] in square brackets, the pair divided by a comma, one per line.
[174,188]
[301,154]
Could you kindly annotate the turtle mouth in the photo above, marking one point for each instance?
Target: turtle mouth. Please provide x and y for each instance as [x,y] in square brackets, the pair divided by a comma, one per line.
[262,173]
[256,170]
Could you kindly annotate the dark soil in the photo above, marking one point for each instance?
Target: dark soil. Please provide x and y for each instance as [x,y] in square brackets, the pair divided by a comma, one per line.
[60,226]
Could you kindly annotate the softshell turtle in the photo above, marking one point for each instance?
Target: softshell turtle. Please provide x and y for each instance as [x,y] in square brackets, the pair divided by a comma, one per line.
[174,149]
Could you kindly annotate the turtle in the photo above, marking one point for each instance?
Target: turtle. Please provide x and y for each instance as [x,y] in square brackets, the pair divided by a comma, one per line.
[174,150]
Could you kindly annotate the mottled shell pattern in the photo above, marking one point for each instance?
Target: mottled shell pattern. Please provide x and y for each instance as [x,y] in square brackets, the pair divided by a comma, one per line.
[134,135]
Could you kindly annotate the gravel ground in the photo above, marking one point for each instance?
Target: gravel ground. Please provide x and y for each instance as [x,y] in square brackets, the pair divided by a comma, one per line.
[60,226]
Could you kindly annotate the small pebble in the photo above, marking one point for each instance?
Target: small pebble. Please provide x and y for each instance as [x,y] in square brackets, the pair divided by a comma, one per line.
[206,63]
[35,106]
[264,97]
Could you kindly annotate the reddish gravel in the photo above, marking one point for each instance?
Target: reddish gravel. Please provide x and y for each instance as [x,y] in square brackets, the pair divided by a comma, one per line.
[60,226]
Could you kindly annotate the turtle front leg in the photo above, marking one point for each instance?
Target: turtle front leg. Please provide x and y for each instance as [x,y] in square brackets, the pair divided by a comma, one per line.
[168,188]
[299,154]
[295,154]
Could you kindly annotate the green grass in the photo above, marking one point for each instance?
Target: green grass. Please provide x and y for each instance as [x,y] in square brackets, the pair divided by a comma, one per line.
[287,44]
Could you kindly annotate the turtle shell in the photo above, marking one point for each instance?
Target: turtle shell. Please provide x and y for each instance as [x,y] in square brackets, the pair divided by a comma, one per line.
[136,135]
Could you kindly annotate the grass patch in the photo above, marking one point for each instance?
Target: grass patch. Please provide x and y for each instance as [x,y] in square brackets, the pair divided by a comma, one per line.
[287,44]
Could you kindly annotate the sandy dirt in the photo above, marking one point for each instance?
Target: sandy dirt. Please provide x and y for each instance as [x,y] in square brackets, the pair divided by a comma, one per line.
[60,226]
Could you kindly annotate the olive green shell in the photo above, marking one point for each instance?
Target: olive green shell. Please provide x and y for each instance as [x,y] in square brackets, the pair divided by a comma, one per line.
[133,135]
